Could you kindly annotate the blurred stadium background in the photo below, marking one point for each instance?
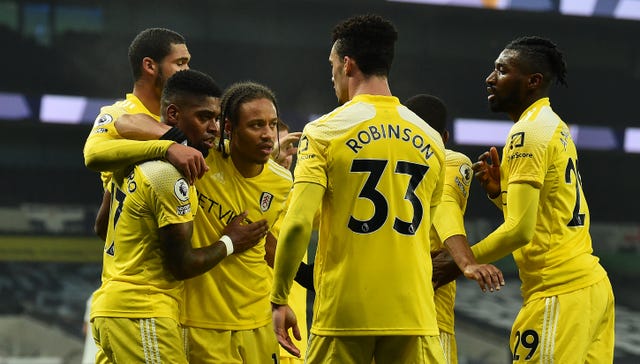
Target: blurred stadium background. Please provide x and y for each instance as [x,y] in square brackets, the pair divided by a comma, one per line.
[64,59]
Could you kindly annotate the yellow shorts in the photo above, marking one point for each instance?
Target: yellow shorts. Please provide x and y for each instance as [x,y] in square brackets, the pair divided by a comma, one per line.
[378,349]
[575,327]
[150,340]
[257,346]
[450,347]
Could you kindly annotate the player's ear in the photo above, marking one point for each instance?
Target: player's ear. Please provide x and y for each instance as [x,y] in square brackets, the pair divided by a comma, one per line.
[227,126]
[172,114]
[535,80]
[349,65]
[149,66]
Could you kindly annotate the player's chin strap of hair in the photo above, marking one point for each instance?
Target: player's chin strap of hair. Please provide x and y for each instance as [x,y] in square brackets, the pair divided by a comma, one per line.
[174,134]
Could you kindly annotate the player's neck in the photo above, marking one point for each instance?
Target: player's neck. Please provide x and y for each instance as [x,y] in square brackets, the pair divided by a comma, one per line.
[147,96]
[246,168]
[374,85]
[516,114]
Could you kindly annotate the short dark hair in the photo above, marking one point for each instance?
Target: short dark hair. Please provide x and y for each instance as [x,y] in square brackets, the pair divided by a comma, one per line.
[369,40]
[430,109]
[541,55]
[236,95]
[185,84]
[154,43]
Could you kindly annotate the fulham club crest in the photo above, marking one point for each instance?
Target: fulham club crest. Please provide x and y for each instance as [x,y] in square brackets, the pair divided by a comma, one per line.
[265,201]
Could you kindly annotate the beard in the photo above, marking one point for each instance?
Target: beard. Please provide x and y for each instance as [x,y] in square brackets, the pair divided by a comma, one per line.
[160,81]
[494,106]
[504,104]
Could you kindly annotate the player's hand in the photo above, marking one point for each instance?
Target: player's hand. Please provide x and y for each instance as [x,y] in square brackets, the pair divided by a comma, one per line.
[283,319]
[245,236]
[445,269]
[189,161]
[286,147]
[487,172]
[488,276]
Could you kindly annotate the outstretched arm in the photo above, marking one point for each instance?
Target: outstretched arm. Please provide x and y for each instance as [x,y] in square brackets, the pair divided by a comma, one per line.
[292,244]
[488,276]
[304,275]
[518,228]
[449,225]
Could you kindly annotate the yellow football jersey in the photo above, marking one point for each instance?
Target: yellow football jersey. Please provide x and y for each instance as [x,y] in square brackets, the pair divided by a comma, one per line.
[234,295]
[383,169]
[135,282]
[448,221]
[104,131]
[540,151]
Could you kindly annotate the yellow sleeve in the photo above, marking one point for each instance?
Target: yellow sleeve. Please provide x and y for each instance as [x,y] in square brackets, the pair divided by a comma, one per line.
[496,201]
[294,237]
[448,220]
[449,217]
[112,155]
[106,150]
[316,218]
[517,229]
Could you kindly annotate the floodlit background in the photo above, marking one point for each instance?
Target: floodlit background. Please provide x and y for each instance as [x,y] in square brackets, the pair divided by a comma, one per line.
[64,59]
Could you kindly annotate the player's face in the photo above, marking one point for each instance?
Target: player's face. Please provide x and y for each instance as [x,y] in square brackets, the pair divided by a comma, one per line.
[198,122]
[338,76]
[507,83]
[253,138]
[177,60]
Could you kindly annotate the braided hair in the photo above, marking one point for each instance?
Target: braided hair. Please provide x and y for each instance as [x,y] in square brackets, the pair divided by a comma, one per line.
[233,97]
[541,55]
